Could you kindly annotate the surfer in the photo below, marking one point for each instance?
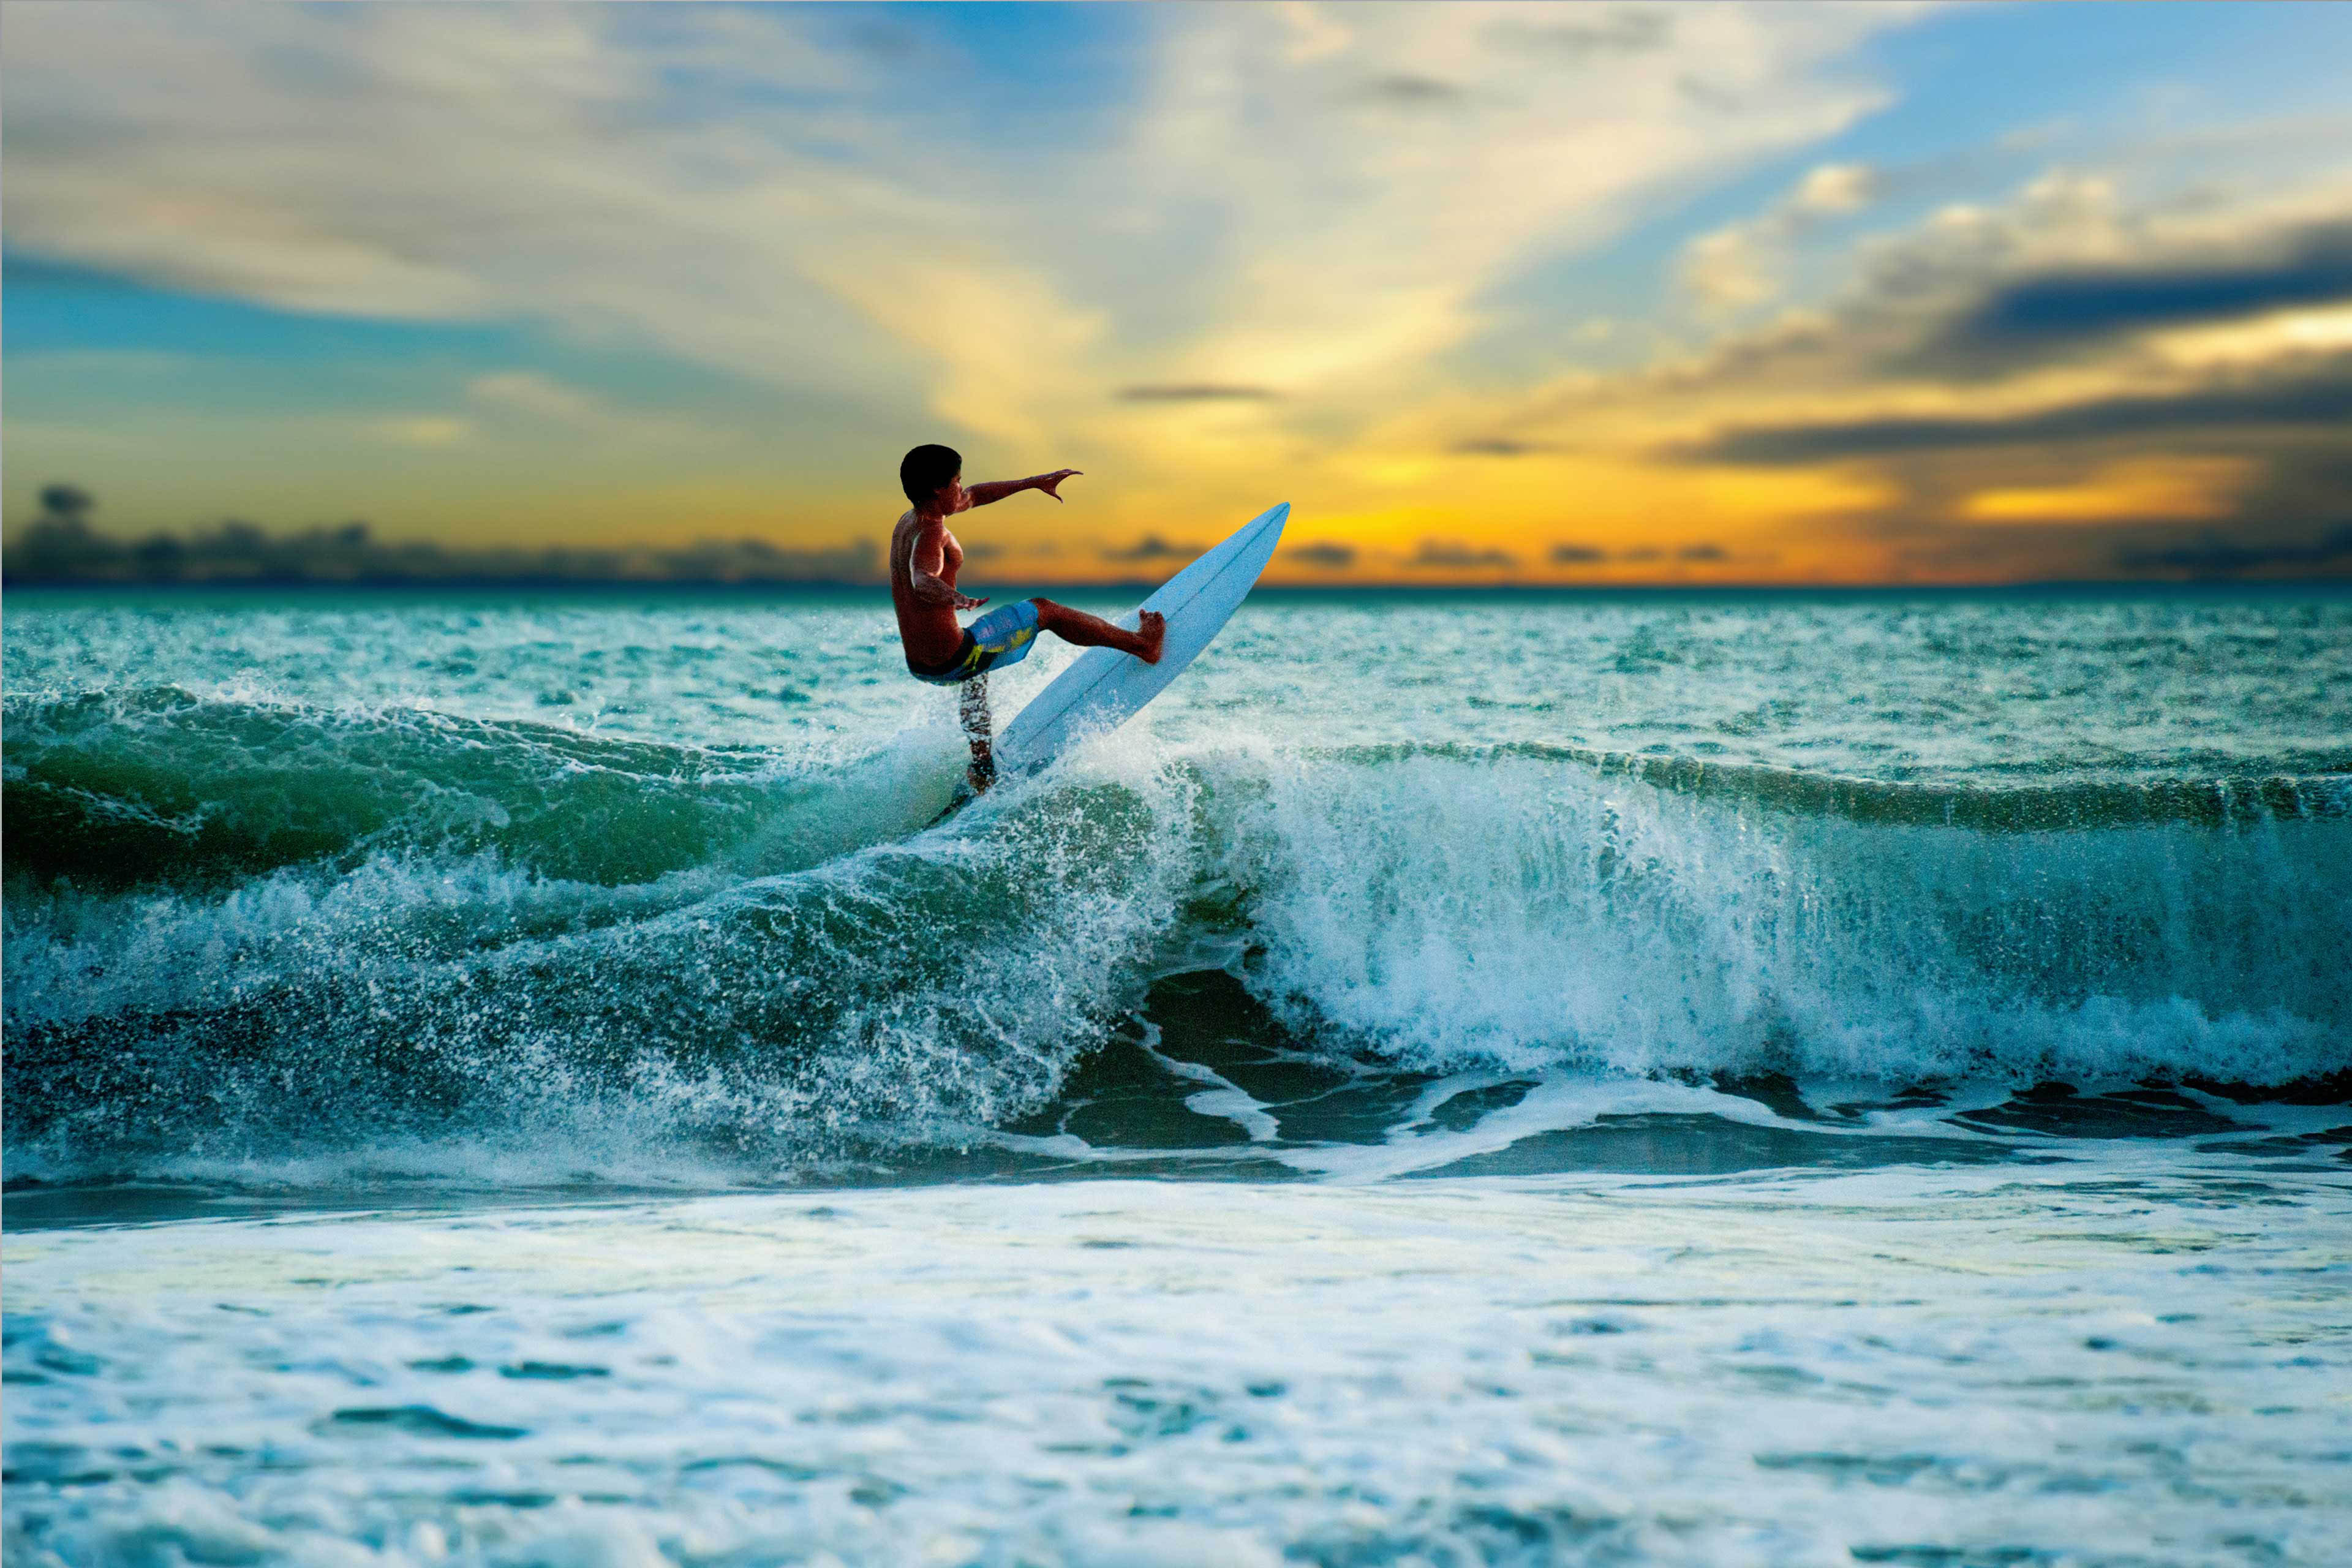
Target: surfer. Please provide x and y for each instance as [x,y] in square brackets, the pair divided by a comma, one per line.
[924,560]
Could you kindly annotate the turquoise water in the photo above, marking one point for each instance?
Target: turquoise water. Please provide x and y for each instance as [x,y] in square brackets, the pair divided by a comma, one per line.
[1678,1077]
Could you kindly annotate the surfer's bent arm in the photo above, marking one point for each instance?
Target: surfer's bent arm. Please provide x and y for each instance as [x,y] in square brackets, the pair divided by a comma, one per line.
[997,490]
[931,569]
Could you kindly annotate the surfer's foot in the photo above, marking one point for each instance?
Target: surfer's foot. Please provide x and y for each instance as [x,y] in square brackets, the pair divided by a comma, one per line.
[1093,631]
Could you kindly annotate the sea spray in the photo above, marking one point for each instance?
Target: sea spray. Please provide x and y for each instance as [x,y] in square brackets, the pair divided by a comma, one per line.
[909,990]
[595,889]
[1539,912]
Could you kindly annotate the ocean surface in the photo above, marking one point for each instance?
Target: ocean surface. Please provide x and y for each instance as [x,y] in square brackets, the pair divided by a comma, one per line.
[1463,1079]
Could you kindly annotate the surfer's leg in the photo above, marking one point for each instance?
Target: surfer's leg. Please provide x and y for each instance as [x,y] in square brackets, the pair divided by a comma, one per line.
[1093,631]
[971,707]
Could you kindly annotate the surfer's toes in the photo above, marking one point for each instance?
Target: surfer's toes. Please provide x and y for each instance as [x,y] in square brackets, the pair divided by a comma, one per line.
[1153,627]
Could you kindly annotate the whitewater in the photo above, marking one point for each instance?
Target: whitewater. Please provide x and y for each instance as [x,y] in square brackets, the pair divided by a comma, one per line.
[1703,1077]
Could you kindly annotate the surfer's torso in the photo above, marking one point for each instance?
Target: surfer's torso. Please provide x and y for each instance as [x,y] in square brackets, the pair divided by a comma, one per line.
[930,631]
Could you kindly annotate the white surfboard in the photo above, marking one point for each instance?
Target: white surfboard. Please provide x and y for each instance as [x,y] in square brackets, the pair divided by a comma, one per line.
[1103,687]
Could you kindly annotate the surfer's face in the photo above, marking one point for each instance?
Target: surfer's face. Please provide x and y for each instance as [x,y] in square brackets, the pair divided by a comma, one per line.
[952,497]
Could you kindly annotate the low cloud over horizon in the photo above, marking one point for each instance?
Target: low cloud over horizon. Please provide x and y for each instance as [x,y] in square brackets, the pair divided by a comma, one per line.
[60,547]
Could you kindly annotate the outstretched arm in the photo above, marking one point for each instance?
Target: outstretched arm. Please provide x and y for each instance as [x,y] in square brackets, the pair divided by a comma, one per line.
[997,490]
[931,571]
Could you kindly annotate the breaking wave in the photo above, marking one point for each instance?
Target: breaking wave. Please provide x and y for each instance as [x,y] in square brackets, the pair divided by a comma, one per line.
[238,931]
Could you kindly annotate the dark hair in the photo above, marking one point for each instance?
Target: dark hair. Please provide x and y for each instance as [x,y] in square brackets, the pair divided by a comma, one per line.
[922,471]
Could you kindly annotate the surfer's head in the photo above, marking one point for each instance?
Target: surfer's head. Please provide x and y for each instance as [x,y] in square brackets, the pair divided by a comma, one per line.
[924,472]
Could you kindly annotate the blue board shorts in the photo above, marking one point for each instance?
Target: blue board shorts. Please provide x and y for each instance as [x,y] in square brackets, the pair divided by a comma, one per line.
[1000,637]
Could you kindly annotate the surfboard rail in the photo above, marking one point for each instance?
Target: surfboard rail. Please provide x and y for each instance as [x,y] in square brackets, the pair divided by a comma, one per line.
[1103,688]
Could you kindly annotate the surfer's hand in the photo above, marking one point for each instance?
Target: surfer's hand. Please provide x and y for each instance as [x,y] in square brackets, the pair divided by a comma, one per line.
[1047,481]
[966,602]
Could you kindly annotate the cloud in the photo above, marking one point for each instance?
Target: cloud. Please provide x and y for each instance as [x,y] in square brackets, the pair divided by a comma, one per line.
[2213,556]
[1740,265]
[1577,554]
[1702,552]
[1728,271]
[1622,31]
[1498,447]
[531,393]
[1835,189]
[1151,547]
[2019,320]
[60,547]
[532,396]
[1850,437]
[1314,33]
[2067,270]
[1543,157]
[763,190]
[2309,401]
[1328,557]
[1452,556]
[421,430]
[1404,89]
[1196,391]
[893,45]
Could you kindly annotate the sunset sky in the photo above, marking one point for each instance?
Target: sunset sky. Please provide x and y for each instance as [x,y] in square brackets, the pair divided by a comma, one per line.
[1490,294]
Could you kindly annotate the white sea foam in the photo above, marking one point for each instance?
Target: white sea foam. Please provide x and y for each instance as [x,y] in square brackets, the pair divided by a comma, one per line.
[1515,912]
[1530,912]
[2112,1362]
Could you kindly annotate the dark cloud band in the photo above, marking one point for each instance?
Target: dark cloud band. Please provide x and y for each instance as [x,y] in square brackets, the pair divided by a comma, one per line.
[1197,392]
[2033,317]
[2315,401]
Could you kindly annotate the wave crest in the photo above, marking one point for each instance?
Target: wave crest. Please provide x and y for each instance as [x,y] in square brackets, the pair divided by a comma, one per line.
[270,931]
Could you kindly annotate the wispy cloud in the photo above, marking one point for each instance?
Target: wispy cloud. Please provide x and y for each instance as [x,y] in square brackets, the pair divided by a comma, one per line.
[421,430]
[1454,556]
[531,396]
[1323,555]
[1498,447]
[1195,392]
[1740,265]
[1404,89]
[1151,547]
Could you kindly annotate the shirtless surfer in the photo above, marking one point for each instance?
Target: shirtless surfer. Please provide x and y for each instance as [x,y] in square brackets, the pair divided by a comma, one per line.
[924,560]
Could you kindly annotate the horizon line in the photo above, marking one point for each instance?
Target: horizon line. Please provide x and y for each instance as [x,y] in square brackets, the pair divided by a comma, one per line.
[548,582]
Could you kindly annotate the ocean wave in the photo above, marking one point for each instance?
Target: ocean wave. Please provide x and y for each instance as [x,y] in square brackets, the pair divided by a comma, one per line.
[2320,788]
[1529,910]
[247,932]
[158,786]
